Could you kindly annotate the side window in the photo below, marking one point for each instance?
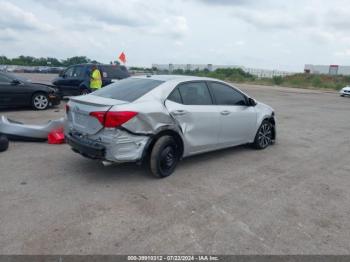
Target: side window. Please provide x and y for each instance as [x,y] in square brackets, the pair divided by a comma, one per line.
[195,93]
[175,96]
[69,72]
[4,79]
[79,71]
[111,71]
[226,95]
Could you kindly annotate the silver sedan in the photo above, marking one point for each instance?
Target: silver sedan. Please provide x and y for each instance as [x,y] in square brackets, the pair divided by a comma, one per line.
[164,118]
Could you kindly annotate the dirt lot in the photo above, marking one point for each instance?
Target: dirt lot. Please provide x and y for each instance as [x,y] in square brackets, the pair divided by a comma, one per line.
[292,198]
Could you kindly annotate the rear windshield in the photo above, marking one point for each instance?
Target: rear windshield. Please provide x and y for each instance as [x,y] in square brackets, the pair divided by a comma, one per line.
[114,71]
[128,89]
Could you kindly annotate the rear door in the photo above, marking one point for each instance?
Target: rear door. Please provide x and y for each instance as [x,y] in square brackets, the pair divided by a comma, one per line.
[191,105]
[238,120]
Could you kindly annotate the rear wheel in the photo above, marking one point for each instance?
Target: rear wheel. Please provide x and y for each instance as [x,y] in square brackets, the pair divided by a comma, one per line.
[264,135]
[164,157]
[40,101]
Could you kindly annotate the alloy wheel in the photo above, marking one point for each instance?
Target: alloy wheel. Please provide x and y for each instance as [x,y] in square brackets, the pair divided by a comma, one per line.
[265,135]
[40,102]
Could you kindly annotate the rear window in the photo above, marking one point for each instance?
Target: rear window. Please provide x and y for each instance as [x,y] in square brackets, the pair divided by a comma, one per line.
[114,71]
[128,89]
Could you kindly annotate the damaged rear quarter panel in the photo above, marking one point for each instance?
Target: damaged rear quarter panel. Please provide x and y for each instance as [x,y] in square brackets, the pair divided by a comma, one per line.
[152,115]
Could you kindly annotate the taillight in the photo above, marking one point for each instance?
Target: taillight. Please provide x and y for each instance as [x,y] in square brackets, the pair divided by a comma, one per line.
[99,115]
[113,119]
[67,108]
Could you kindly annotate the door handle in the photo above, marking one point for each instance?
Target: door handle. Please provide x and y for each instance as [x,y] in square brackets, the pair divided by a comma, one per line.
[179,112]
[225,113]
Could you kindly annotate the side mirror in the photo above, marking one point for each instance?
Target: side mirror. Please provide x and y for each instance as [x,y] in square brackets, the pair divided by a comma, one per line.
[15,82]
[251,102]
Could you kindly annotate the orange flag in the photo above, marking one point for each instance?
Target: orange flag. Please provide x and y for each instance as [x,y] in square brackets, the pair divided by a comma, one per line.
[122,57]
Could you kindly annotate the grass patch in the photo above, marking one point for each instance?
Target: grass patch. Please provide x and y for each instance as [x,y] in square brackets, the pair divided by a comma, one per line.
[301,80]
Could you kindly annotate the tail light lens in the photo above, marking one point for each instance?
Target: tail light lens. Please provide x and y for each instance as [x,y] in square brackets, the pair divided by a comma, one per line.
[67,108]
[99,115]
[113,119]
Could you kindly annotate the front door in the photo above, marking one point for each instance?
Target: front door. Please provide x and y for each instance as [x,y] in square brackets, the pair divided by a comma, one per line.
[238,120]
[6,96]
[191,105]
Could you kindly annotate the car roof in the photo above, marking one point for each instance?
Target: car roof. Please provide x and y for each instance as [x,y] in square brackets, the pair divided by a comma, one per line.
[179,78]
[91,64]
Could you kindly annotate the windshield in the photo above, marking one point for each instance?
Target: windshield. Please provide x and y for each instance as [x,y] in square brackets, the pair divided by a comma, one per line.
[128,89]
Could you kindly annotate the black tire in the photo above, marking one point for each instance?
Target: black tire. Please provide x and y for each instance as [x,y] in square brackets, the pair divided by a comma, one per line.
[84,91]
[164,157]
[264,136]
[4,143]
[342,95]
[40,101]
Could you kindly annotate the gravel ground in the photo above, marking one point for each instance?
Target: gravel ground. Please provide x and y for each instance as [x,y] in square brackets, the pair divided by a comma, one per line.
[292,198]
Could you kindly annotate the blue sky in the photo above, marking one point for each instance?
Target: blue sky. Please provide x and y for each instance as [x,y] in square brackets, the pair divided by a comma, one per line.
[269,34]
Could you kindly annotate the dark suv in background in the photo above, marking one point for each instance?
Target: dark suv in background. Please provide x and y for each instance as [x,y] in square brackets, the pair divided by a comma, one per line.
[75,79]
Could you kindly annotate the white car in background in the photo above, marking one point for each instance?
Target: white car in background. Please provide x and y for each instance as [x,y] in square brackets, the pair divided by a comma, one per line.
[345,91]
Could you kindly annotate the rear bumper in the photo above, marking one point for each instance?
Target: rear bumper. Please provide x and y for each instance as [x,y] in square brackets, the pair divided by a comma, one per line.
[85,147]
[112,145]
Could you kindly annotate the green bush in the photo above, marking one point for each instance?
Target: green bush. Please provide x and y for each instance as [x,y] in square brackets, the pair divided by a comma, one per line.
[316,81]
[277,80]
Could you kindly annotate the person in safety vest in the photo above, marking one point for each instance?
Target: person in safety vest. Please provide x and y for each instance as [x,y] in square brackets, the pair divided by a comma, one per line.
[95,79]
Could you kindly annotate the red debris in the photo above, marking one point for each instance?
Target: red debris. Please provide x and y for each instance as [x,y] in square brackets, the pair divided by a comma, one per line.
[56,137]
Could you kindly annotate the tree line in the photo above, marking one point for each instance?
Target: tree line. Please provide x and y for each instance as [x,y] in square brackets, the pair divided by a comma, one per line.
[45,61]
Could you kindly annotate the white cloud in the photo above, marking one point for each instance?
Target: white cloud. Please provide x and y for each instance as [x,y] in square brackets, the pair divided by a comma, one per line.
[14,17]
[240,43]
[176,25]
[246,32]
[346,52]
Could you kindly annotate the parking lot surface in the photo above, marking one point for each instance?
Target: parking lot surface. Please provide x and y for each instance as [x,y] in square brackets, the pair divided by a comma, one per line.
[292,198]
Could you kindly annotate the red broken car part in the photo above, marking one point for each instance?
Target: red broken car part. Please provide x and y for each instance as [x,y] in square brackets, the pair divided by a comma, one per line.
[113,119]
[56,137]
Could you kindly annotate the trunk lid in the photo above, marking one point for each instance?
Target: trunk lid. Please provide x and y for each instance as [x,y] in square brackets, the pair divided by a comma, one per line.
[80,109]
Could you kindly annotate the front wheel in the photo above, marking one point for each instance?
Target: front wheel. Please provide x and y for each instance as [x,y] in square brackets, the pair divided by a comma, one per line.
[164,157]
[4,143]
[264,135]
[40,101]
